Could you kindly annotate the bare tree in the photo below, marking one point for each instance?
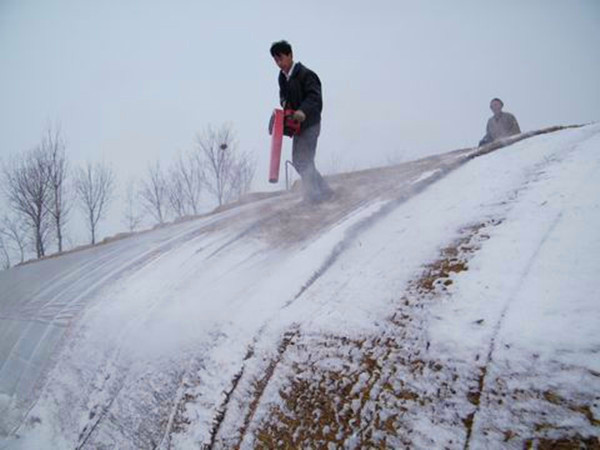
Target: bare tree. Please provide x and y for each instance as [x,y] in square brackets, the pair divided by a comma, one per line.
[228,174]
[187,175]
[242,175]
[132,216]
[28,191]
[53,146]
[14,231]
[175,195]
[154,193]
[95,187]
[4,252]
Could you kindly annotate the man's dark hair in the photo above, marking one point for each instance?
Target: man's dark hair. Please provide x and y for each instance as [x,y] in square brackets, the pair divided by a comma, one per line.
[281,48]
[496,100]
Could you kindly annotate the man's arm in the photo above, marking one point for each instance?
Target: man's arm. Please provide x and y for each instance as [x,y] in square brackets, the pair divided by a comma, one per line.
[313,102]
[514,125]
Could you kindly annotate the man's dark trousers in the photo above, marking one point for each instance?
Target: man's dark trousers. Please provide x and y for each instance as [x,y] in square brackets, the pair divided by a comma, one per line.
[304,147]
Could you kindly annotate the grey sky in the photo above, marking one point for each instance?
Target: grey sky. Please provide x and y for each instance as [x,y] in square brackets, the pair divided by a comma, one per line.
[133,81]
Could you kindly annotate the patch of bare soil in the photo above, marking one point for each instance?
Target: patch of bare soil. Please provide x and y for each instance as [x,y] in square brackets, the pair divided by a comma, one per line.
[547,418]
[573,443]
[383,390]
[453,260]
[368,391]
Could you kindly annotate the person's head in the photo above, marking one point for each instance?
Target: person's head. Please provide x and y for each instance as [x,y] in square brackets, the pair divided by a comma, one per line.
[281,51]
[496,105]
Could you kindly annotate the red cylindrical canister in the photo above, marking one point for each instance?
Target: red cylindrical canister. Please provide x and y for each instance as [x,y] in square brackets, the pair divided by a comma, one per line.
[276,143]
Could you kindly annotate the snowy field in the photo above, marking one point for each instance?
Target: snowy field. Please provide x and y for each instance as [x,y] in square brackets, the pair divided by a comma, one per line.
[449,302]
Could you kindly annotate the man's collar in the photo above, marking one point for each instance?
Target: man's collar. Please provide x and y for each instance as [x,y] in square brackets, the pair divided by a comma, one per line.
[289,74]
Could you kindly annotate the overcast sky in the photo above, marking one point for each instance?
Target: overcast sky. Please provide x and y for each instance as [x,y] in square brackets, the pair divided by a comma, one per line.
[131,82]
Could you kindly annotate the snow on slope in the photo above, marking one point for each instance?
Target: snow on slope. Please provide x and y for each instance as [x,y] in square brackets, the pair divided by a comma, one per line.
[384,351]
[94,329]
[282,325]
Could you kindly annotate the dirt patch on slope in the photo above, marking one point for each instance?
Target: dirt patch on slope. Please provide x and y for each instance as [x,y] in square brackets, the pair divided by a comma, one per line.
[366,392]
[381,390]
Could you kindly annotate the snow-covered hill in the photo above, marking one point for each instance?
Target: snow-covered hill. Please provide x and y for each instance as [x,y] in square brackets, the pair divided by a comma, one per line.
[449,302]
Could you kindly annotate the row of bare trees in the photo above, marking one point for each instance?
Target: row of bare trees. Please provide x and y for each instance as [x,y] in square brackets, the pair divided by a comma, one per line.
[214,166]
[41,187]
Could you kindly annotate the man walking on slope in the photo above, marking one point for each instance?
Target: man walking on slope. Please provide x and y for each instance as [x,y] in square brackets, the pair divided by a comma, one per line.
[300,91]
[501,124]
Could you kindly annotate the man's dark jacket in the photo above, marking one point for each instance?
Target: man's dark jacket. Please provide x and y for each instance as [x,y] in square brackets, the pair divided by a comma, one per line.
[302,91]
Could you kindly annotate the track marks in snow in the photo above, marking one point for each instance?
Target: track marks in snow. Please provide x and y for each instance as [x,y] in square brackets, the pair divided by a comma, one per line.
[321,403]
[351,234]
[365,390]
[364,224]
[71,291]
[492,386]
